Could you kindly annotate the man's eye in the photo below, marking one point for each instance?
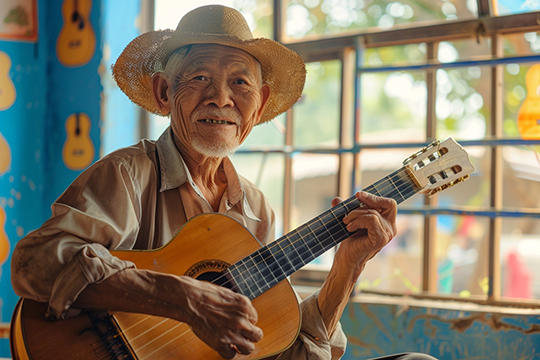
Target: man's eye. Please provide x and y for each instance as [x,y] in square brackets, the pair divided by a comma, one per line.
[200,78]
[240,82]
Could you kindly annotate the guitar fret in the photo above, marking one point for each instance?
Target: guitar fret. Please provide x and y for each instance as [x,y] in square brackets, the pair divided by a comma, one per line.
[255,275]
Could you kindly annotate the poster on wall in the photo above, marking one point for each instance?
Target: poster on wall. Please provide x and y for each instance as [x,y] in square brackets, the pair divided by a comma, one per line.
[18,20]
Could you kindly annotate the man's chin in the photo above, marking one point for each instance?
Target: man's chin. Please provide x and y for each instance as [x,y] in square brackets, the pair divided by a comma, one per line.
[214,150]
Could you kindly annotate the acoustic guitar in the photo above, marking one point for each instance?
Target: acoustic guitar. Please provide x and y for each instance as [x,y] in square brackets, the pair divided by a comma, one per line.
[76,42]
[7,89]
[78,150]
[216,248]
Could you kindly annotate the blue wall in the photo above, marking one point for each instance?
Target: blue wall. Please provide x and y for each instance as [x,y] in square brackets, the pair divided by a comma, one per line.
[33,133]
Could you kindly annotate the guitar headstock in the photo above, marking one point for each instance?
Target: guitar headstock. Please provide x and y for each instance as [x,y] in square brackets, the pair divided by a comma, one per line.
[438,166]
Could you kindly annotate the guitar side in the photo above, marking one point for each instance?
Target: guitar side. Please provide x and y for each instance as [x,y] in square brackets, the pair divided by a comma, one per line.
[204,242]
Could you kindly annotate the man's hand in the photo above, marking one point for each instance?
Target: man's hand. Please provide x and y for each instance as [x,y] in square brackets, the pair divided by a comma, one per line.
[373,226]
[223,319]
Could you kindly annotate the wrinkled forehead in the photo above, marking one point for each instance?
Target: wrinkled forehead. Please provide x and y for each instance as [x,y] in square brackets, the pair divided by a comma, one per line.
[203,56]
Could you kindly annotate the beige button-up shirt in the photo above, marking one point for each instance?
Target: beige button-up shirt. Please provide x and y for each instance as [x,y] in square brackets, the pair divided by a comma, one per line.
[138,198]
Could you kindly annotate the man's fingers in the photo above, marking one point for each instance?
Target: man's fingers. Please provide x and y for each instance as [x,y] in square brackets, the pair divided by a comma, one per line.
[376,202]
[336,201]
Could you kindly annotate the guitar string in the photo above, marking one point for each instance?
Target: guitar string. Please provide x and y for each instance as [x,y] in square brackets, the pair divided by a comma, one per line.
[343,204]
[338,223]
[395,175]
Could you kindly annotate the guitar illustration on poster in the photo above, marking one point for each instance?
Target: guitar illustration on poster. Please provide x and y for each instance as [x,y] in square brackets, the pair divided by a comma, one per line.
[5,163]
[5,155]
[76,42]
[528,120]
[4,241]
[78,151]
[7,89]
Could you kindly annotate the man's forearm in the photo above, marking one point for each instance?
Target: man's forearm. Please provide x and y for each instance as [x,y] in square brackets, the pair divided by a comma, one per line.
[336,290]
[139,291]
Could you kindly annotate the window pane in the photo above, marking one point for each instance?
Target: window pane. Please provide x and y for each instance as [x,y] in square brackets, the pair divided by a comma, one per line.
[398,267]
[266,171]
[376,164]
[521,177]
[468,49]
[521,44]
[316,115]
[462,255]
[315,185]
[520,258]
[463,102]
[268,134]
[521,101]
[505,7]
[473,192]
[324,17]
[393,107]
[258,13]
[395,55]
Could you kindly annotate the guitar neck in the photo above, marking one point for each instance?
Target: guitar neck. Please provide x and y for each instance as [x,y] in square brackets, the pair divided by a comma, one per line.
[263,269]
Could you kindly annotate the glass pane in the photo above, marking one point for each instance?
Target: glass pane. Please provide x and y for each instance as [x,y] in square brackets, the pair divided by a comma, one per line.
[463,102]
[258,13]
[323,17]
[395,55]
[398,266]
[520,258]
[473,192]
[468,49]
[315,185]
[521,44]
[316,115]
[521,177]
[462,243]
[376,164]
[393,107]
[267,134]
[266,171]
[507,7]
[521,101]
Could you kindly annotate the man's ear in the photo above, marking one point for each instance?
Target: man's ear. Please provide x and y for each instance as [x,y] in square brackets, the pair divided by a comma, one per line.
[266,90]
[160,85]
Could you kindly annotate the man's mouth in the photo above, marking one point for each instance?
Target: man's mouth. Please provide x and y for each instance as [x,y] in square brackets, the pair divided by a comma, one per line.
[212,121]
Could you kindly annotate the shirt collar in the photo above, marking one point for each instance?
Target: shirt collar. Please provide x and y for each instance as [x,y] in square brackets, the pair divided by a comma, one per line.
[174,173]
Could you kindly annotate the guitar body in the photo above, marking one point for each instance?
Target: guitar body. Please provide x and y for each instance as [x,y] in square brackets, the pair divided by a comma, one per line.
[78,150]
[76,42]
[7,89]
[203,247]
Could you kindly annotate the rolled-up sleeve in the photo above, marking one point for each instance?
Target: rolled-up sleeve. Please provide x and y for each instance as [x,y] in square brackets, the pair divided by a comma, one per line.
[99,211]
[314,342]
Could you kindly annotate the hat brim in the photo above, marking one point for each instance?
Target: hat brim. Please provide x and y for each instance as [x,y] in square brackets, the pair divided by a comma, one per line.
[282,68]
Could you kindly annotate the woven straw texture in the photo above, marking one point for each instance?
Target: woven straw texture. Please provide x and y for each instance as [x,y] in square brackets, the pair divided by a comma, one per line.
[147,54]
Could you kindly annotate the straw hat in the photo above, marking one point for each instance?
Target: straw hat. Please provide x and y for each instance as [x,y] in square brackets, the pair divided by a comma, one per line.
[147,54]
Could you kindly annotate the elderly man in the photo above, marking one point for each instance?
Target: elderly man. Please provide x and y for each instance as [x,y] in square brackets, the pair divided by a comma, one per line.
[216,83]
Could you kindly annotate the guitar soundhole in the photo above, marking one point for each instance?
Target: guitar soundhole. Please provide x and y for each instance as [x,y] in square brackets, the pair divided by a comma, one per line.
[216,278]
[212,271]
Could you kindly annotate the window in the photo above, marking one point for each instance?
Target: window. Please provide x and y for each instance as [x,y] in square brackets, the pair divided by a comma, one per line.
[386,78]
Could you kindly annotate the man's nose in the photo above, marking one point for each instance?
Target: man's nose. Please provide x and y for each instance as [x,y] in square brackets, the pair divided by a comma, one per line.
[219,94]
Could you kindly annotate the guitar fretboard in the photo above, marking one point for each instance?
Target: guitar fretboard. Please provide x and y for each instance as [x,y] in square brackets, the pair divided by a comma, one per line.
[263,269]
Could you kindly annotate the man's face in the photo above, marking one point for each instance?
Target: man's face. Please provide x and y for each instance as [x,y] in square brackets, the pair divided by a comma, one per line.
[216,97]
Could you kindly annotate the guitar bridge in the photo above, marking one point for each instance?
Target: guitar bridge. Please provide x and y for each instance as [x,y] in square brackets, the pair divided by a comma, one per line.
[112,345]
